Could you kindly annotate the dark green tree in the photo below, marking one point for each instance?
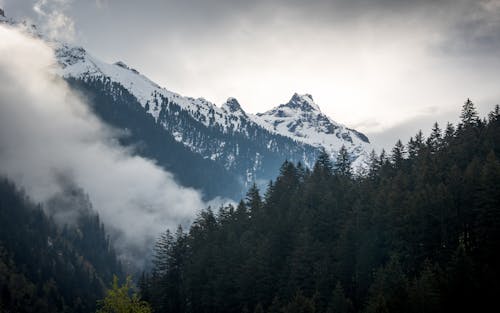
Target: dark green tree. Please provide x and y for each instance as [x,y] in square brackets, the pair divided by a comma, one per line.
[343,162]
[469,116]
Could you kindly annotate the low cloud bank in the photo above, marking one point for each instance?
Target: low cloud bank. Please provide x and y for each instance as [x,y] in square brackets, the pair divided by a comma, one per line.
[49,139]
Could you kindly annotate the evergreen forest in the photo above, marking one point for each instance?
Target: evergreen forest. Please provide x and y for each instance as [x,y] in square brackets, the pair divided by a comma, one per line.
[419,232]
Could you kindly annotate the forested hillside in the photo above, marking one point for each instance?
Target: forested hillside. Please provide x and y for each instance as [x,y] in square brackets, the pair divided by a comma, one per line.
[419,233]
[47,266]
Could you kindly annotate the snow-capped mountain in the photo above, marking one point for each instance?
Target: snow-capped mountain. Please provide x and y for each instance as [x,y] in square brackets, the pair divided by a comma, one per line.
[302,120]
[77,63]
[222,138]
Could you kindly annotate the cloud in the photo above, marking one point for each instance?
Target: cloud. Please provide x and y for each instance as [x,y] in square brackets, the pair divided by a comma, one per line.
[46,132]
[53,19]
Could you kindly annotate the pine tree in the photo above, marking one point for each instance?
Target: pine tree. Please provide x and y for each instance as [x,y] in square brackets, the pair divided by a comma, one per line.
[398,153]
[469,115]
[161,253]
[493,115]
[253,199]
[323,165]
[434,140]
[412,149]
[415,145]
[241,214]
[449,132]
[343,162]
[419,138]
[373,163]
[382,158]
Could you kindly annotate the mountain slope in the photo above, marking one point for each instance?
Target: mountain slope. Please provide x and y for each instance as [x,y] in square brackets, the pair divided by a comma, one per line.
[302,120]
[237,148]
[250,147]
[118,108]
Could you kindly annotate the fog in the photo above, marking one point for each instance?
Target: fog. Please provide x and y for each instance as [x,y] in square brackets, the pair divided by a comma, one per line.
[47,133]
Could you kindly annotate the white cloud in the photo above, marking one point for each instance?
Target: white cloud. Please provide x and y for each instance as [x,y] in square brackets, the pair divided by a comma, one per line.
[53,19]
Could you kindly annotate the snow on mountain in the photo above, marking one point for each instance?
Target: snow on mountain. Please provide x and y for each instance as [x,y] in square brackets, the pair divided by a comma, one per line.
[77,63]
[302,120]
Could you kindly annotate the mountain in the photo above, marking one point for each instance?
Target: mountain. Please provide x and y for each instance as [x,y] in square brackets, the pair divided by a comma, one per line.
[302,120]
[249,147]
[197,140]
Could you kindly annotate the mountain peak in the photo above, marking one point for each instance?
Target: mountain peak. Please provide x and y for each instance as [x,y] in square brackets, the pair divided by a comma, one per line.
[2,13]
[304,102]
[232,105]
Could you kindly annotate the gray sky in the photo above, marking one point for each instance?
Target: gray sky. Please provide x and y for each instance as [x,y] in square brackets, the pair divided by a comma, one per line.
[385,67]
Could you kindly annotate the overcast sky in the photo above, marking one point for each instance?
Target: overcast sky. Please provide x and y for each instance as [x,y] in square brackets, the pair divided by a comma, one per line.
[384,67]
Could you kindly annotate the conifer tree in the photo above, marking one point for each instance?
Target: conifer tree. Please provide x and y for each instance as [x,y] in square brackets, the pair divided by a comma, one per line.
[434,140]
[493,115]
[323,165]
[373,162]
[343,162]
[415,145]
[469,115]
[382,158]
[398,153]
[253,199]
[161,253]
[449,132]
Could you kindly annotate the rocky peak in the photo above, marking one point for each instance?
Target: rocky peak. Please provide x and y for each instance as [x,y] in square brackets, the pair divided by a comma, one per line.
[303,102]
[232,105]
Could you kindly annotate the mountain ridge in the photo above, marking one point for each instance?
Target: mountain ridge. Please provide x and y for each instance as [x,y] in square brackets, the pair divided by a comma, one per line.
[247,146]
[77,63]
